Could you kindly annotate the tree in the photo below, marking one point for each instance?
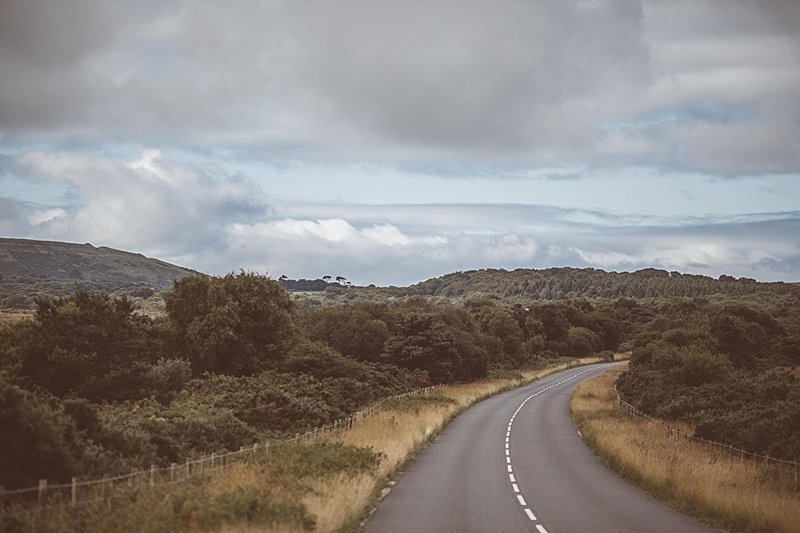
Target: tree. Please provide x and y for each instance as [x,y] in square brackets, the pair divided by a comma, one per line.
[445,352]
[238,324]
[351,330]
[42,441]
[555,323]
[502,324]
[90,345]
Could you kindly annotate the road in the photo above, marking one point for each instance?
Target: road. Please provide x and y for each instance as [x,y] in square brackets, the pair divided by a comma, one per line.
[515,462]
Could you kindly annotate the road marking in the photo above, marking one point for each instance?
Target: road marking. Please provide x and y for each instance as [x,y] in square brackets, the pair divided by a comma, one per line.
[515,487]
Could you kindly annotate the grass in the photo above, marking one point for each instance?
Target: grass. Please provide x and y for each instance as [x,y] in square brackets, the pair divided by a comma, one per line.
[329,485]
[728,492]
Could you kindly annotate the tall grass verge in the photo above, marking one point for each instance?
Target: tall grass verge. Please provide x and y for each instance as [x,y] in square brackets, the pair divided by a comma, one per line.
[736,494]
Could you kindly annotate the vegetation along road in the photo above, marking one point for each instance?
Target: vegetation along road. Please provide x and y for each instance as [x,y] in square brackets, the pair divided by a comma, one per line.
[516,463]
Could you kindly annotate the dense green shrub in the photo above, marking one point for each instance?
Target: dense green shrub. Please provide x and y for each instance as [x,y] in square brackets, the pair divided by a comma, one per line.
[718,367]
[237,324]
[358,330]
[40,440]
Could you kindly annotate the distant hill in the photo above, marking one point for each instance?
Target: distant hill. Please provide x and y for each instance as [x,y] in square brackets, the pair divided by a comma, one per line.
[561,283]
[29,267]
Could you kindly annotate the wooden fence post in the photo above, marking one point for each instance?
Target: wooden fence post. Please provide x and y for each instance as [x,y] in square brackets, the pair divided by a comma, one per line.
[172,473]
[42,489]
[74,491]
[152,476]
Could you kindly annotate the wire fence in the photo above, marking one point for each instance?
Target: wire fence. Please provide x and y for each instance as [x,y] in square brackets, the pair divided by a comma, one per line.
[786,468]
[34,500]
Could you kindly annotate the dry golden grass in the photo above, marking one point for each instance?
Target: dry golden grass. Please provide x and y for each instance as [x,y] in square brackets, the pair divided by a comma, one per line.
[726,491]
[333,501]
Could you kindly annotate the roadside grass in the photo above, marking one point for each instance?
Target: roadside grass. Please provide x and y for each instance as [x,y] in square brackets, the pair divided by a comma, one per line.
[329,485]
[728,492]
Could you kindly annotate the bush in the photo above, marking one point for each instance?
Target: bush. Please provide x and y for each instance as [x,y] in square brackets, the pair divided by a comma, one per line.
[237,324]
[41,441]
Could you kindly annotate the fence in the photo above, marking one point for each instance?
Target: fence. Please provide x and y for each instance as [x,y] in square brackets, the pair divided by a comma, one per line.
[788,468]
[33,500]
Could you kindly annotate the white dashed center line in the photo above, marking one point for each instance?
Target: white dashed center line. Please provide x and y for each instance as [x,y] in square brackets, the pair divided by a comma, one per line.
[511,478]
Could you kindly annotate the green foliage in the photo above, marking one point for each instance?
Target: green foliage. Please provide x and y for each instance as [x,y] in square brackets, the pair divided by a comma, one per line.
[40,440]
[718,367]
[237,324]
[152,433]
[88,345]
[233,363]
[280,404]
[447,353]
[166,377]
[581,342]
[321,460]
[359,331]
[504,326]
[566,283]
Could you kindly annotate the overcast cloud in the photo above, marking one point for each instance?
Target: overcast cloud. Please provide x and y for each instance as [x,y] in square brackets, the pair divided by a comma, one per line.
[393,141]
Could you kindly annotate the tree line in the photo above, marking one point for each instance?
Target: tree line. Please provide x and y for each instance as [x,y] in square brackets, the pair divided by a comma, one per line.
[567,283]
[89,386]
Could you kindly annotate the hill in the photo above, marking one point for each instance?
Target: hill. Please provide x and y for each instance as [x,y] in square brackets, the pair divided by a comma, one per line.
[30,267]
[563,283]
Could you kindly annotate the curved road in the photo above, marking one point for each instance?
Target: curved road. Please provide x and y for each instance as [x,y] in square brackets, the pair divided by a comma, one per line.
[515,462]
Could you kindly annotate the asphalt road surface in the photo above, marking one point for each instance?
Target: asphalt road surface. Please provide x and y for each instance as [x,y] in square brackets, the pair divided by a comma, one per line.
[515,462]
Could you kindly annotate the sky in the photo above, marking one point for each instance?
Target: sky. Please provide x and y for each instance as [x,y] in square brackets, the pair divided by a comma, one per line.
[390,142]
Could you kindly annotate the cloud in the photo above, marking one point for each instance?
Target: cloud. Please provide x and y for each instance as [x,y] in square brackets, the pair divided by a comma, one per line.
[220,222]
[381,254]
[150,204]
[704,86]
